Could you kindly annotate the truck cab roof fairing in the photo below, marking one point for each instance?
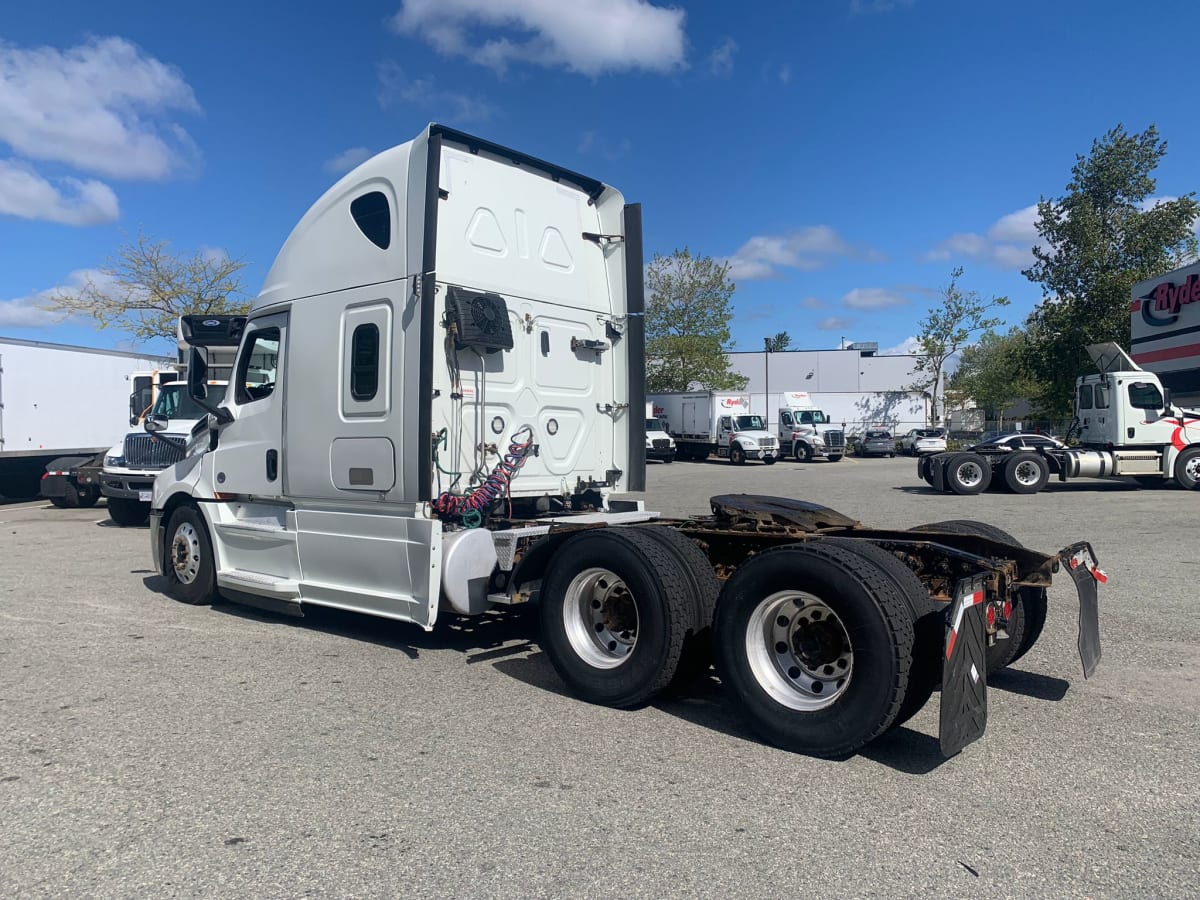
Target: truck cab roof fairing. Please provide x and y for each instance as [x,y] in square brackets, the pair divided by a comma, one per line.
[327,250]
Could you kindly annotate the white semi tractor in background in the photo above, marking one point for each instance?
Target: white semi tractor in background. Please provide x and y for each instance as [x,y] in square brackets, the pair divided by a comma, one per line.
[707,423]
[433,407]
[659,443]
[1127,427]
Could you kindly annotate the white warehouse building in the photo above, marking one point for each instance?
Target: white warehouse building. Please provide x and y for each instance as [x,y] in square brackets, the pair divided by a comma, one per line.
[854,385]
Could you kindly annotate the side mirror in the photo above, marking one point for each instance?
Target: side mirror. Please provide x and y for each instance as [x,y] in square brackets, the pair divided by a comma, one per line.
[198,373]
[156,423]
[1167,399]
[134,412]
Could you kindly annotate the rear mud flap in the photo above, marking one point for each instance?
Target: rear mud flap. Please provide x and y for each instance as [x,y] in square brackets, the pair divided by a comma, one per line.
[1080,561]
[964,668]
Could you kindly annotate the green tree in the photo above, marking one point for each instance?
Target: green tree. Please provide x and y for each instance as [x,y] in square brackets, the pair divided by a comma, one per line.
[687,324]
[1103,235]
[144,288]
[946,330]
[779,343]
[991,372]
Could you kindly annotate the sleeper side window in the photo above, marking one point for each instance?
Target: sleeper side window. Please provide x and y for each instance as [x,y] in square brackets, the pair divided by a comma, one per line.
[364,362]
[366,359]
[373,216]
[255,377]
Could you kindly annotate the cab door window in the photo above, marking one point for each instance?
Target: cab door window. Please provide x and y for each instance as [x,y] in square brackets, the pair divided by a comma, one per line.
[785,418]
[257,366]
[1085,396]
[726,423]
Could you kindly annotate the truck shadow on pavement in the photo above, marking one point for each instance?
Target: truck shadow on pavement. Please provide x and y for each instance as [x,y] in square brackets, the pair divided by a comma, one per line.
[508,640]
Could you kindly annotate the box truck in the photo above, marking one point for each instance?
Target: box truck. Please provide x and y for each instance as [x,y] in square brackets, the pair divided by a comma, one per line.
[61,403]
[704,423]
[433,403]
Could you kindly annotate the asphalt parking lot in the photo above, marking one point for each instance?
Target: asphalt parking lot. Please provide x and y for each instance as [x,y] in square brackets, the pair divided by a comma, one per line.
[147,747]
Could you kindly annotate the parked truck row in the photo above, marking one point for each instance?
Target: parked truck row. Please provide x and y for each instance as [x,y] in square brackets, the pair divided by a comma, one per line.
[1126,425]
[432,408]
[715,423]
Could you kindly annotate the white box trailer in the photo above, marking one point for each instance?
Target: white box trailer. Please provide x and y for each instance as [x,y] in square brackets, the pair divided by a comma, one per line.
[434,399]
[58,400]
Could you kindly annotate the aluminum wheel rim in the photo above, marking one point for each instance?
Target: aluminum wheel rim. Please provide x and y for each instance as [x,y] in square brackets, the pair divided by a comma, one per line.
[970,474]
[600,617]
[799,651]
[185,553]
[1192,468]
[1027,472]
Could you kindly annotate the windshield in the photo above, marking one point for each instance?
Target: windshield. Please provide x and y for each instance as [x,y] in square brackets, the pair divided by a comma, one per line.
[813,417]
[930,432]
[174,403]
[654,425]
[748,423]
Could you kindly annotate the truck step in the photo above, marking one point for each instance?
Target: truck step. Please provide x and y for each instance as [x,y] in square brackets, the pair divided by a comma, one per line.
[258,583]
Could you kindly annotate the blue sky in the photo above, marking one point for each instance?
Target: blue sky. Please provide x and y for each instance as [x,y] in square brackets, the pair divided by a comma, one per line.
[843,155]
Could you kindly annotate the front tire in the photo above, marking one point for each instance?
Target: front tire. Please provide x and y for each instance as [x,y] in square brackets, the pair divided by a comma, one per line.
[802,452]
[615,609]
[769,460]
[128,513]
[737,455]
[1187,469]
[837,458]
[190,563]
[816,643]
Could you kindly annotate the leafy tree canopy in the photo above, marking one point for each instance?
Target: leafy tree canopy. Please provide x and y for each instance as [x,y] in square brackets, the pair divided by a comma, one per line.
[1107,232]
[947,329]
[144,289]
[687,324]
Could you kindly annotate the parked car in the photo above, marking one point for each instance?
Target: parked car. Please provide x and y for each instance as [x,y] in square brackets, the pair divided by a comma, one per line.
[1017,440]
[922,440]
[876,442]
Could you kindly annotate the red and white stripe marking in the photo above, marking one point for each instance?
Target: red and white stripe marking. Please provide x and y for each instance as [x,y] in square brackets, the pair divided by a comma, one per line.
[965,602]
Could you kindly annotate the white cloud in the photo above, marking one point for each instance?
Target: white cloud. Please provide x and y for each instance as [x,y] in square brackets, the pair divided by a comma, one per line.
[834,323]
[721,59]
[98,107]
[590,38]
[27,312]
[347,160]
[813,303]
[396,87]
[785,74]
[807,249]
[910,346]
[1007,244]
[27,195]
[873,298]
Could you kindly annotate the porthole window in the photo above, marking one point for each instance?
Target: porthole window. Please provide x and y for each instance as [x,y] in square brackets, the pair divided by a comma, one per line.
[373,216]
[364,362]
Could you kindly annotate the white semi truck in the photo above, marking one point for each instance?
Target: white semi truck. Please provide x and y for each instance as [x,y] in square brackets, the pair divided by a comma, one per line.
[806,432]
[433,403]
[659,443]
[1126,425]
[704,423]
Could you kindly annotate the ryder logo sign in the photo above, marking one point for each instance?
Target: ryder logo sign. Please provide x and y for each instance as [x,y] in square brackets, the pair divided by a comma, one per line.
[1161,305]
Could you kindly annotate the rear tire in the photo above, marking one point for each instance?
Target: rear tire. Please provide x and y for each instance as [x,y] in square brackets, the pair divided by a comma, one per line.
[615,609]
[804,615]
[189,560]
[88,497]
[1029,608]
[929,629]
[128,513]
[1025,472]
[968,473]
[697,656]
[60,502]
